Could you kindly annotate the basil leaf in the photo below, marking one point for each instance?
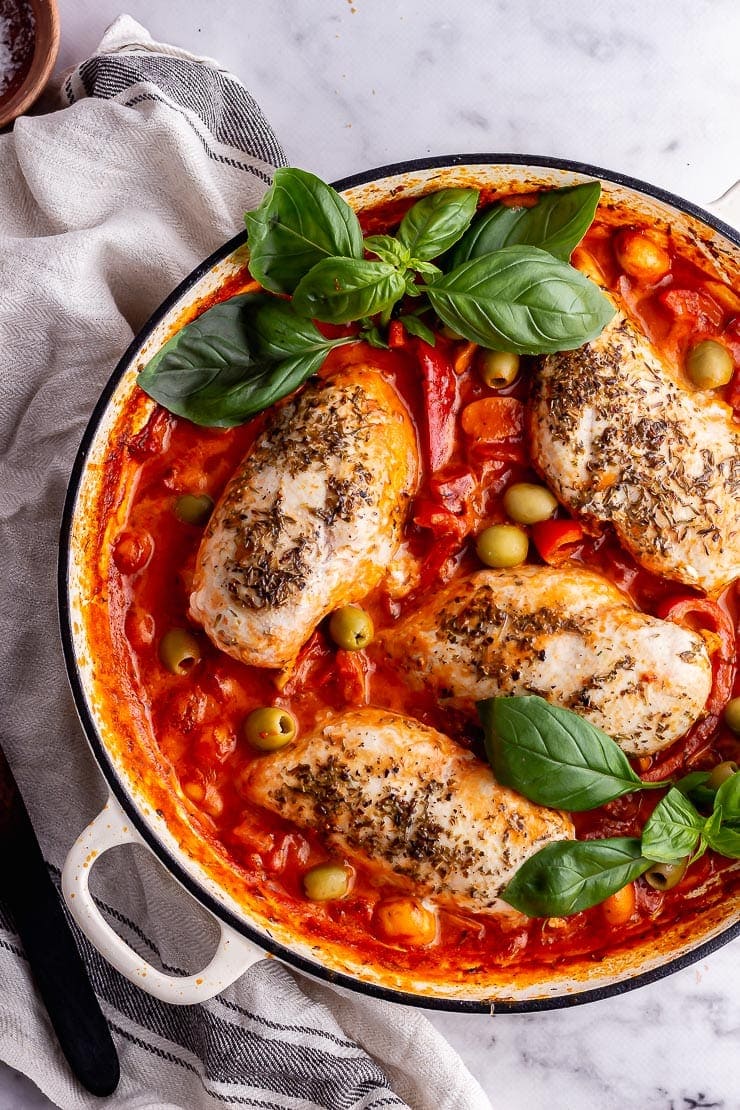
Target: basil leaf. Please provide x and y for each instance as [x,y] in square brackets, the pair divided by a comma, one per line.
[557,223]
[388,249]
[437,221]
[721,837]
[521,299]
[276,331]
[672,830]
[572,875]
[728,798]
[340,290]
[552,756]
[235,360]
[417,327]
[299,221]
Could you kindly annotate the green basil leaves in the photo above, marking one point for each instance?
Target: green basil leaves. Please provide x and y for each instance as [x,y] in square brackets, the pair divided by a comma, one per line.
[300,221]
[573,875]
[436,222]
[340,290]
[556,224]
[673,829]
[555,758]
[235,360]
[510,288]
[521,299]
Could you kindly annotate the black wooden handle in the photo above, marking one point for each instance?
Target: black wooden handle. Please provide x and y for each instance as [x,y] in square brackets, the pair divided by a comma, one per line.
[55,961]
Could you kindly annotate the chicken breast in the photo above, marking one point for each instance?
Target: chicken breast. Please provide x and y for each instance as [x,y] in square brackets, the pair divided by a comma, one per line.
[566,634]
[310,520]
[619,440]
[385,789]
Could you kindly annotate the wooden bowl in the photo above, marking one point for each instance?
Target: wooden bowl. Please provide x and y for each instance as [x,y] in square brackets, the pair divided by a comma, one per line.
[20,96]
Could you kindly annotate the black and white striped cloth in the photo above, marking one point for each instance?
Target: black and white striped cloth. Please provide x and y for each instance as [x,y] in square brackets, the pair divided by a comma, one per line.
[104,206]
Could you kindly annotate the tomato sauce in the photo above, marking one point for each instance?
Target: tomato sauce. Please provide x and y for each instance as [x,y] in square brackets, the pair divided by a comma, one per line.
[197,719]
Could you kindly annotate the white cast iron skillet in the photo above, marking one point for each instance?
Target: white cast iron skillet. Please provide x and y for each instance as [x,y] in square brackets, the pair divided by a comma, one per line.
[130,816]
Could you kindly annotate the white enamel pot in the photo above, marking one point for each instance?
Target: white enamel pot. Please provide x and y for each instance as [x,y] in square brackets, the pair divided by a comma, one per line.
[131,814]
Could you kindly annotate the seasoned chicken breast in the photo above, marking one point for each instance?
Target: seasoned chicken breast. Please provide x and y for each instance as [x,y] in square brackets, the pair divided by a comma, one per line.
[619,440]
[566,634]
[310,520]
[385,789]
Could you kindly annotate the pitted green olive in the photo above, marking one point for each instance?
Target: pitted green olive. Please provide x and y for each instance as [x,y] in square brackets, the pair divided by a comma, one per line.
[326,882]
[179,651]
[527,503]
[502,545]
[193,508]
[732,715]
[497,368]
[709,364]
[721,773]
[351,628]
[664,876]
[269,728]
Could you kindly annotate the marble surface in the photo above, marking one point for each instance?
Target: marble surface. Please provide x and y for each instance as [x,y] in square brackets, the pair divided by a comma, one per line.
[648,87]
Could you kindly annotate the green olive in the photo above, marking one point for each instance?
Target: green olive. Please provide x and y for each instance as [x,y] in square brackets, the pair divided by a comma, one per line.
[664,876]
[721,773]
[497,368]
[732,715]
[709,364]
[502,545]
[326,882]
[269,728]
[179,651]
[351,628]
[527,503]
[193,508]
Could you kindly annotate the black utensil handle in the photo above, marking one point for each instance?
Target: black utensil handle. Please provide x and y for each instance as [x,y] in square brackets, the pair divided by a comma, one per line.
[56,964]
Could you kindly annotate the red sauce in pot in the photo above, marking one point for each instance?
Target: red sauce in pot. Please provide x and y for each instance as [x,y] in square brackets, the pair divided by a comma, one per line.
[197,719]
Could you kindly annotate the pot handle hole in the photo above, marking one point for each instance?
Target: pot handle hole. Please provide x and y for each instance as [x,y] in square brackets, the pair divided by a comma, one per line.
[233,956]
[727,207]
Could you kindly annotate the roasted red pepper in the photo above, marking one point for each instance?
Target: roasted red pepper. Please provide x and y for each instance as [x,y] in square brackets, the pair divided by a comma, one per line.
[440,395]
[396,334]
[701,613]
[556,540]
[353,670]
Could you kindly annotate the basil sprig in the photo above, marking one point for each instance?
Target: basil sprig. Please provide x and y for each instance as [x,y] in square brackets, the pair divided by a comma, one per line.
[234,360]
[300,221]
[555,758]
[521,299]
[556,223]
[573,875]
[507,293]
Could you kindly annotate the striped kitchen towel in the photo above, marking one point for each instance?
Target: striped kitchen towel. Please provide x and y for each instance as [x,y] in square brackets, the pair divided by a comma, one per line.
[105,206]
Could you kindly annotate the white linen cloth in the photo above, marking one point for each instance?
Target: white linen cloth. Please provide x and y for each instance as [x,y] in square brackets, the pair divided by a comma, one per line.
[104,206]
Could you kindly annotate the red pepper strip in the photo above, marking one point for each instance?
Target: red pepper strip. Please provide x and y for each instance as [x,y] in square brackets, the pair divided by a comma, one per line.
[352,667]
[312,661]
[440,395]
[709,615]
[684,751]
[701,309]
[456,489]
[396,334]
[556,540]
[437,565]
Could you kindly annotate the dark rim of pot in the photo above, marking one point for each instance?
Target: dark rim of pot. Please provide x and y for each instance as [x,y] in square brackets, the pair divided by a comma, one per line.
[170,862]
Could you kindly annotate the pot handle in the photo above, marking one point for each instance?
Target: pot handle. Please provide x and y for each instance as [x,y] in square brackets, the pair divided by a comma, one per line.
[234,955]
[727,207]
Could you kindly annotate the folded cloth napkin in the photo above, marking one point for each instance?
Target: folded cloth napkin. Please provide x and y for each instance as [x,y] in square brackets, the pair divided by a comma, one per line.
[104,207]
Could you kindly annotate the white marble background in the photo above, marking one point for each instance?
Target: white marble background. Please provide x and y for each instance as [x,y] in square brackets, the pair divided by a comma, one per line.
[647,87]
